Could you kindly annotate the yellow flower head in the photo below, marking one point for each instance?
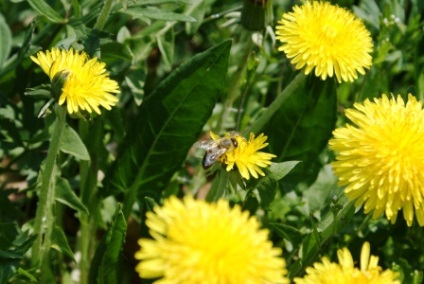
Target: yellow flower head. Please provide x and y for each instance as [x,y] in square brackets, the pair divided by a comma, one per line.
[381,157]
[326,272]
[87,85]
[245,155]
[325,37]
[198,242]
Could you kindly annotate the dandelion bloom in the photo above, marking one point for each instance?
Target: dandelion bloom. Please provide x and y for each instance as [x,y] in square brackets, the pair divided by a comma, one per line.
[326,272]
[325,37]
[199,242]
[87,85]
[246,156]
[381,157]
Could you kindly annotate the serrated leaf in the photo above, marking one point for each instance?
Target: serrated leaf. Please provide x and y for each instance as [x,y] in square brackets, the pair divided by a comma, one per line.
[105,264]
[169,122]
[65,195]
[157,14]
[60,243]
[46,10]
[72,144]
[6,40]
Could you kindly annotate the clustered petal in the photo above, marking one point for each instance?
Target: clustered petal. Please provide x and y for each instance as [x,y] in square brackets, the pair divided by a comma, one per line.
[327,38]
[381,156]
[246,157]
[326,272]
[199,242]
[87,84]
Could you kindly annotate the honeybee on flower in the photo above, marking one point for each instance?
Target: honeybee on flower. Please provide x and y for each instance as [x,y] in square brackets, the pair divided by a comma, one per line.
[236,152]
[216,147]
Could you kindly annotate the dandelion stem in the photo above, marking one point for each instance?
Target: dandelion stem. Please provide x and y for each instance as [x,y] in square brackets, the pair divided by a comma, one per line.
[44,218]
[276,104]
[88,193]
[235,82]
[104,14]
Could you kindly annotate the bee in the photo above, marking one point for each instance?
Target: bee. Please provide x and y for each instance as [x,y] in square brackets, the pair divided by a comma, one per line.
[216,148]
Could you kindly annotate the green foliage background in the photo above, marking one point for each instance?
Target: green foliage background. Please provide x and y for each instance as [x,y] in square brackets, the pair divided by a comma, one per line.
[186,67]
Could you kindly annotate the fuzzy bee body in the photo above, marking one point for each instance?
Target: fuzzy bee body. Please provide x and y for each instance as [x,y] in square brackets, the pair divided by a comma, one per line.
[216,148]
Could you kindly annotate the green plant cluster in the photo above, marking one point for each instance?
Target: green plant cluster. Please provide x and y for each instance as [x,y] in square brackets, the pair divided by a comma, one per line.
[186,67]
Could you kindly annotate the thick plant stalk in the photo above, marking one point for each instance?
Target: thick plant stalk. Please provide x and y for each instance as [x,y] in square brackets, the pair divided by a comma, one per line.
[44,218]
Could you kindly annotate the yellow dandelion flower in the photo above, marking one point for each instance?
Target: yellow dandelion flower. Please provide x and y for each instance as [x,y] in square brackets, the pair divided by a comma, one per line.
[198,242]
[327,38]
[247,158]
[326,272]
[381,157]
[87,85]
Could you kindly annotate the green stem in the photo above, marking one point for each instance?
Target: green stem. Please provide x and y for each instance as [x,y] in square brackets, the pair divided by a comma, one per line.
[88,194]
[235,82]
[44,218]
[104,14]
[129,200]
[276,104]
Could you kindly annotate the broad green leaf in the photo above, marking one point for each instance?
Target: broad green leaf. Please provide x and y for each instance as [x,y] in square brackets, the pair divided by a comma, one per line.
[105,265]
[302,127]
[64,194]
[169,122]
[60,243]
[72,144]
[157,14]
[46,10]
[6,40]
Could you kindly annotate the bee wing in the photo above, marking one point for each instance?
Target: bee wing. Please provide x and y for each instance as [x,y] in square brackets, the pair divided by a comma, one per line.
[205,144]
[212,156]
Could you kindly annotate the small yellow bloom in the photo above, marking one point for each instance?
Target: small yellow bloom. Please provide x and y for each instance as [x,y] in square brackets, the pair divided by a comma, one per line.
[245,156]
[327,38]
[381,157]
[87,85]
[326,272]
[199,242]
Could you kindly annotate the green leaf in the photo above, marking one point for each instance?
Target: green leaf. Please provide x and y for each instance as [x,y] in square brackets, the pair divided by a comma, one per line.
[65,195]
[46,10]
[308,254]
[219,186]
[72,144]
[169,122]
[302,127]
[105,265]
[12,254]
[60,243]
[197,10]
[6,40]
[166,47]
[157,14]
[268,185]
[288,233]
